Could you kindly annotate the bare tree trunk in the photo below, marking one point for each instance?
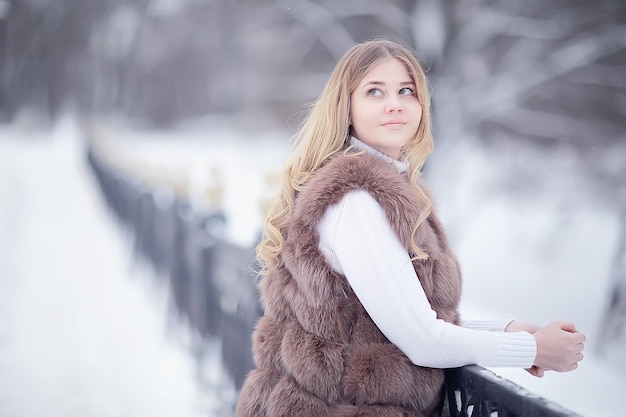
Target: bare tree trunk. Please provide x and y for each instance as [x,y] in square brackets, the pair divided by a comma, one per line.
[614,326]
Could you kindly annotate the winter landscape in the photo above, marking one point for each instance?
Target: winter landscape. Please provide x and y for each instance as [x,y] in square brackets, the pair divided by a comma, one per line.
[528,176]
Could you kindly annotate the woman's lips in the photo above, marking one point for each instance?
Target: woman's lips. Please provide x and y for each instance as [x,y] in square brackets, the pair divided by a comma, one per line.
[394,124]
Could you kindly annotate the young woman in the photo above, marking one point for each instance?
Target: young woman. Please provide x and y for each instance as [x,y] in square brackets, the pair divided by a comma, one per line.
[359,286]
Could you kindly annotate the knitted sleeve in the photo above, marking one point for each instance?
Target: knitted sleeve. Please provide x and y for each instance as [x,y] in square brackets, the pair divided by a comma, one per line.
[491,325]
[357,240]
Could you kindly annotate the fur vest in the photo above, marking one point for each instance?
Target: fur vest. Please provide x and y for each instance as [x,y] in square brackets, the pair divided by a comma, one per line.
[317,351]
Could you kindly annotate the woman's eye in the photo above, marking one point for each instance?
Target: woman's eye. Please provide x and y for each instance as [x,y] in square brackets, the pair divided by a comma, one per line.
[374,92]
[406,91]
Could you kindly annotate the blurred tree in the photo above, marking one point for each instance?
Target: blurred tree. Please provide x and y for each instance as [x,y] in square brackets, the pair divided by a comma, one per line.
[533,70]
[614,325]
[44,64]
[5,10]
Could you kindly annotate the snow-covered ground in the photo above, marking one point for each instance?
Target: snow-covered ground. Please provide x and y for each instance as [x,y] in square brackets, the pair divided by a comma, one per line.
[83,327]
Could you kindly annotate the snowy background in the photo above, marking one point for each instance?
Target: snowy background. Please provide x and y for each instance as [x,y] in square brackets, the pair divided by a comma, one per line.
[529,104]
[85,329]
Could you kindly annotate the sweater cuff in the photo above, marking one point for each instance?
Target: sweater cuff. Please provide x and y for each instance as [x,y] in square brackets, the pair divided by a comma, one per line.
[516,350]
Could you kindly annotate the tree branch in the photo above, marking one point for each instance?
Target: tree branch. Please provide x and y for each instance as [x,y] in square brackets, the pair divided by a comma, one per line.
[502,92]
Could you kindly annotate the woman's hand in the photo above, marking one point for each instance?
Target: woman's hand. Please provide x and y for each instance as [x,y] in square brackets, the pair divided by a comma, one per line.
[559,347]
[519,326]
[536,371]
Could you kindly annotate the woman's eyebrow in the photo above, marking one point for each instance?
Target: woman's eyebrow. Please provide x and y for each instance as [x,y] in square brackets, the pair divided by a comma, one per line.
[383,83]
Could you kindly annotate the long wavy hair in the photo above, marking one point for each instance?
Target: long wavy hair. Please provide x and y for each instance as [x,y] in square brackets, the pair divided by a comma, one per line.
[326,131]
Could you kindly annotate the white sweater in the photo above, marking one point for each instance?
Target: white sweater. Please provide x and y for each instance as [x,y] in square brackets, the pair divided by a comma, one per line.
[357,240]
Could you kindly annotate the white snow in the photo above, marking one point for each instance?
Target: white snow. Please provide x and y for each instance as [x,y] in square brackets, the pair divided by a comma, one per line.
[82,327]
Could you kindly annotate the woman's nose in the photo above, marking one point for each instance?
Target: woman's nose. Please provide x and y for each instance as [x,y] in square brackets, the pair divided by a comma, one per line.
[393,104]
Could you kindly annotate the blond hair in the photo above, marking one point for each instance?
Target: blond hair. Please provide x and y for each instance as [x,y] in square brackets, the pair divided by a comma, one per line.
[325,132]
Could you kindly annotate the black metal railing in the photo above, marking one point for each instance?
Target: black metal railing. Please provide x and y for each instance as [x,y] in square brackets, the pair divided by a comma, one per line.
[473,391]
[213,287]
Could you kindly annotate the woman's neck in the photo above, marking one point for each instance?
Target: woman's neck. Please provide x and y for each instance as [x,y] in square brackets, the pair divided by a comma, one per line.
[400,163]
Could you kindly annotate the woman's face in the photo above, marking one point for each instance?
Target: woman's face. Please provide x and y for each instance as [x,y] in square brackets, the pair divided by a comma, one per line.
[384,110]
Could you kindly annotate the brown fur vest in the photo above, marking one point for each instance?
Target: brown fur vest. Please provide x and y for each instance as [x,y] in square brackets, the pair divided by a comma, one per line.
[317,351]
